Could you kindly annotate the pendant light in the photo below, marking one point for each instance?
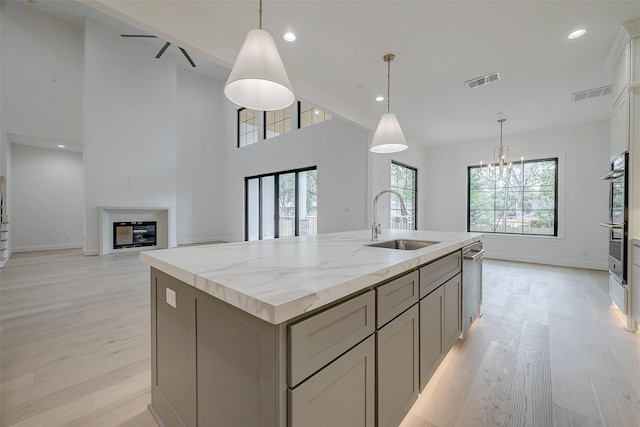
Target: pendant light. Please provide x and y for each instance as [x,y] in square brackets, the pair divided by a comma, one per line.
[258,79]
[501,163]
[388,137]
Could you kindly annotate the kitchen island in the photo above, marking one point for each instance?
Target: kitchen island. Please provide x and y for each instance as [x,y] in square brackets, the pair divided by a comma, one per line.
[317,330]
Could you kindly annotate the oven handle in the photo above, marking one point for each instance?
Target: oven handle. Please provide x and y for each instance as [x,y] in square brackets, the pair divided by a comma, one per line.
[616,173]
[612,225]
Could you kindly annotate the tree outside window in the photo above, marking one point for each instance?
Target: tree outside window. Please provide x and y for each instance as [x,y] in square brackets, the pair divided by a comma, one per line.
[524,202]
[404,179]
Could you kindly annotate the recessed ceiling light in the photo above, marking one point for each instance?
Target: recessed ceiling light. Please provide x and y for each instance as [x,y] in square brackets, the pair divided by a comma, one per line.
[577,33]
[379,98]
[316,112]
[61,146]
[290,37]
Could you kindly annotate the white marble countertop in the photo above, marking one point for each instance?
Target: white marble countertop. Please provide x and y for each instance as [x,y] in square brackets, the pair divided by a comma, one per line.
[277,280]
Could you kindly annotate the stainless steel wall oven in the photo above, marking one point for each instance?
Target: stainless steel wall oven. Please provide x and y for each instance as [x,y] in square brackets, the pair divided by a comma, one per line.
[617,225]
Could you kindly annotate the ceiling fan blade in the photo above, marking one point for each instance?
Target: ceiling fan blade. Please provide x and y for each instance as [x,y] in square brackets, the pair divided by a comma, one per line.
[166,45]
[139,35]
[186,55]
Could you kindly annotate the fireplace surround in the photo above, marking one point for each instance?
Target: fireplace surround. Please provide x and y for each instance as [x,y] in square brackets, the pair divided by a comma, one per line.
[136,229]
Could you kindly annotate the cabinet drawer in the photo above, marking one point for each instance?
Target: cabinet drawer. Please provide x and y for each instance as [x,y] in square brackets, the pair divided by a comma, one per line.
[342,394]
[318,340]
[395,297]
[435,274]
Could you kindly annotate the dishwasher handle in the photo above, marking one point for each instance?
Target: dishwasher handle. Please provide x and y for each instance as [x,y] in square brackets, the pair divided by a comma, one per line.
[477,255]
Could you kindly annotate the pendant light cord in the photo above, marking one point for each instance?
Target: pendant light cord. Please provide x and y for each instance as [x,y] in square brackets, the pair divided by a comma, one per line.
[260,14]
[388,58]
[388,86]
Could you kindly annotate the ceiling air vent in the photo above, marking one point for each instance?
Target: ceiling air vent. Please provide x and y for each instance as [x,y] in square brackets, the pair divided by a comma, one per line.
[591,93]
[481,81]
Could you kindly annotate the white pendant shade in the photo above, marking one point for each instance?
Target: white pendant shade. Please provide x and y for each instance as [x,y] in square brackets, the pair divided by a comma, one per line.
[258,79]
[388,137]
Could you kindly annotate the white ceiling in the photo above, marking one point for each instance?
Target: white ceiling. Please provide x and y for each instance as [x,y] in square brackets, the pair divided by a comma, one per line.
[336,61]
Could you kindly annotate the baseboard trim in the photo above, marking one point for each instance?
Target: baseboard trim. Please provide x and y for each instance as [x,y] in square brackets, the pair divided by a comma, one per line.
[201,241]
[41,248]
[590,265]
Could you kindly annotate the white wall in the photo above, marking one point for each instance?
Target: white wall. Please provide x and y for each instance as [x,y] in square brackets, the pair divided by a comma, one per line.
[338,149]
[583,159]
[48,204]
[199,158]
[46,54]
[129,128]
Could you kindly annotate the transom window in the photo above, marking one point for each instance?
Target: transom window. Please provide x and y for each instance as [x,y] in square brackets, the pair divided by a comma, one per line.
[281,204]
[524,202]
[309,115]
[277,122]
[404,179]
[247,127]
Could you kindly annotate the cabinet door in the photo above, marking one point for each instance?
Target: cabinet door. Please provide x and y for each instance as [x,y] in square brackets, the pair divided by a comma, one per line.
[621,73]
[620,127]
[397,359]
[173,342]
[431,334]
[452,315]
[341,394]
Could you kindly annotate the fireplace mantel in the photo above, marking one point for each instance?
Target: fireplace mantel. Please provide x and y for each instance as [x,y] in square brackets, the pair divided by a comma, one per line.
[111,214]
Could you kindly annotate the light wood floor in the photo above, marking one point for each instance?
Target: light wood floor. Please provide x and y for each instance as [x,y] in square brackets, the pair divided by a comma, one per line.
[548,350]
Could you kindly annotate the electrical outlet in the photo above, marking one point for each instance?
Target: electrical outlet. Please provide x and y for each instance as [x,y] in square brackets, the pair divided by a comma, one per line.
[171,297]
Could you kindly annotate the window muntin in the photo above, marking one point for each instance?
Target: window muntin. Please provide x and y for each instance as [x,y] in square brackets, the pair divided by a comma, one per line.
[404,179]
[247,127]
[282,204]
[309,115]
[277,122]
[525,202]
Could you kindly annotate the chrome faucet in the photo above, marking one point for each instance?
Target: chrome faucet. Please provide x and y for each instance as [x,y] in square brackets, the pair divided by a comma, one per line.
[375,227]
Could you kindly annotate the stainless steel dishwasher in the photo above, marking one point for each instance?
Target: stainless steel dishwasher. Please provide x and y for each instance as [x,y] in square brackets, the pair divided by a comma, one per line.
[471,284]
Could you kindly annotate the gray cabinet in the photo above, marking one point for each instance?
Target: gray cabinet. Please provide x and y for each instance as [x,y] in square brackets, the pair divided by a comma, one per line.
[360,362]
[439,271]
[452,313]
[173,339]
[341,394]
[395,297]
[237,351]
[431,334]
[318,340]
[398,363]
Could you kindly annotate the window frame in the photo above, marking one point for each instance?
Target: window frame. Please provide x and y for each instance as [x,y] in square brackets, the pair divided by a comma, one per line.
[415,191]
[276,196]
[300,112]
[556,200]
[238,122]
[265,125]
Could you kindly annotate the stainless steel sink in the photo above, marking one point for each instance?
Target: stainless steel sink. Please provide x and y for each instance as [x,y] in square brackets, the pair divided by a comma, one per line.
[403,245]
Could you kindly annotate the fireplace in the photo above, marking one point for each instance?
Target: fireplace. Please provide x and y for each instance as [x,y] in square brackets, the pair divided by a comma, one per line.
[113,217]
[134,234]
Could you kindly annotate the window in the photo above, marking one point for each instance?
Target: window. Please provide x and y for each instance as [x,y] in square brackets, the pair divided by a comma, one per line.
[404,179]
[277,122]
[247,127]
[308,115]
[282,204]
[525,202]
